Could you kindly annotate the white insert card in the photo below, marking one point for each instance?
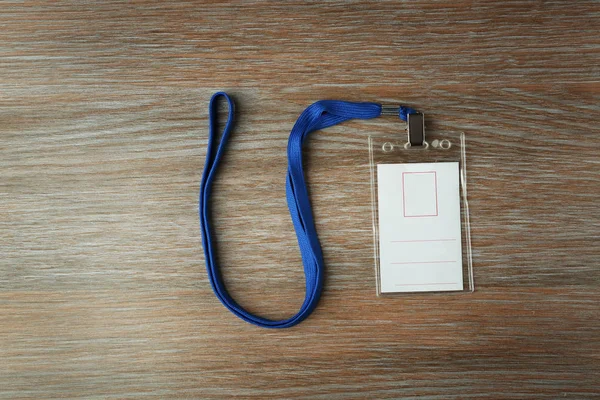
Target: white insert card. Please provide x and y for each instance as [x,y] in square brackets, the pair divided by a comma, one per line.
[419,227]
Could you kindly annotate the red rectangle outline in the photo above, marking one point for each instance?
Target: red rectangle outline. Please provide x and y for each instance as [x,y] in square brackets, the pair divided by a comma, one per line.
[436,195]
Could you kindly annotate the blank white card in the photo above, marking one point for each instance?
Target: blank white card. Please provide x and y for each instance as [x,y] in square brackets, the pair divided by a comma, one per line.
[419,227]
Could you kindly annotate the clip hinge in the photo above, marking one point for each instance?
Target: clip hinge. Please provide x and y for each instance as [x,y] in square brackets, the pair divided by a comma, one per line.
[416,129]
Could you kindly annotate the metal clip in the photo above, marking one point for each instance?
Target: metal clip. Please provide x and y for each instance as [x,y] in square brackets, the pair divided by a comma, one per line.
[415,125]
[416,129]
[387,109]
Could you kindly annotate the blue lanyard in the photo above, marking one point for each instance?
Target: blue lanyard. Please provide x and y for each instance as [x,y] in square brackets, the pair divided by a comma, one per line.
[319,115]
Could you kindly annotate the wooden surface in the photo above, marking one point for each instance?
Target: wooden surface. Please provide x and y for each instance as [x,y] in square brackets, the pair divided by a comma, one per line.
[103,127]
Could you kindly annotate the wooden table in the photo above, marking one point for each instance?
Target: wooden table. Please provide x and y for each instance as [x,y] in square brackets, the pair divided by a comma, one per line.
[103,128]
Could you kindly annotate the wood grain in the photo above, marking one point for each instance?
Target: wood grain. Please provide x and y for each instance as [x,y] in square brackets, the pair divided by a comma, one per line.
[103,292]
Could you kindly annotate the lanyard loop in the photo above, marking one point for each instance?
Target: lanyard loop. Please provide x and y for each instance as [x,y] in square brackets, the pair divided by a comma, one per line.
[320,115]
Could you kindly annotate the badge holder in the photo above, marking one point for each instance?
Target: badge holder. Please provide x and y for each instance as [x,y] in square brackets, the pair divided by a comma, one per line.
[421,240]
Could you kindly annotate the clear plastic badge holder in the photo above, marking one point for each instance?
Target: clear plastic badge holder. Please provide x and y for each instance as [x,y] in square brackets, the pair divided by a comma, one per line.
[417,211]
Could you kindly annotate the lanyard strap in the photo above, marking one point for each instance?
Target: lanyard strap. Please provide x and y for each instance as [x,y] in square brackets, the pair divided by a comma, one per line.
[319,115]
